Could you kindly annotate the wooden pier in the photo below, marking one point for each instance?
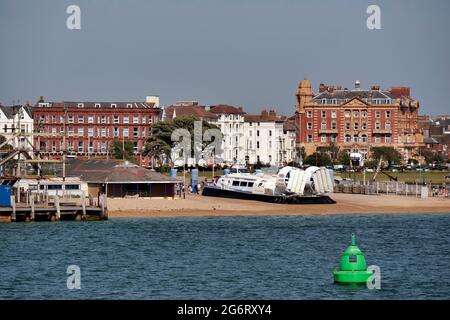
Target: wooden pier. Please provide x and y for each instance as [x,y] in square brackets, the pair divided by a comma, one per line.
[55,208]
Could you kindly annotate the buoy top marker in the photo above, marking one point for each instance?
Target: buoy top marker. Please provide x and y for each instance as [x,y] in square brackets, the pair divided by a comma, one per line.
[353,258]
[353,267]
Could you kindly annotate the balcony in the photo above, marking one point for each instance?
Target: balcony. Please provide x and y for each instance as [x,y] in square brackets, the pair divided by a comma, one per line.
[382,131]
[328,131]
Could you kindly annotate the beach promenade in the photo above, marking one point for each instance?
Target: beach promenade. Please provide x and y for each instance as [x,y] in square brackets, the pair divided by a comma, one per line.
[197,205]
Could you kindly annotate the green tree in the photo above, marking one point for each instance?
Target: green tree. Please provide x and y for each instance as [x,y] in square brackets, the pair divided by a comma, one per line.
[389,154]
[160,141]
[427,155]
[318,159]
[371,163]
[438,158]
[6,146]
[332,149]
[122,150]
[301,154]
[344,157]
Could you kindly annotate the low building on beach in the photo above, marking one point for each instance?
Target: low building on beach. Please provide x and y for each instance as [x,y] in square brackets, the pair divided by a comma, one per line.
[119,179]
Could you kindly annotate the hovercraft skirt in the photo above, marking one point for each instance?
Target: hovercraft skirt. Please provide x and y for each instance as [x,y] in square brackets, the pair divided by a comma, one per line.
[216,192]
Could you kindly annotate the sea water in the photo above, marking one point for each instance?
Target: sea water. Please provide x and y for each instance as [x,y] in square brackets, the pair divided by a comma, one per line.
[281,257]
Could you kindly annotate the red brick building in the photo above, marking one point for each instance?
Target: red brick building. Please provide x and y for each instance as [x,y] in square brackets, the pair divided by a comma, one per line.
[357,120]
[91,127]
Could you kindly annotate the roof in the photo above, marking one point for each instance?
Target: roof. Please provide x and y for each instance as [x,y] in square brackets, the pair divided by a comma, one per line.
[196,110]
[96,105]
[265,116]
[227,109]
[289,126]
[10,111]
[260,118]
[430,140]
[101,171]
[350,94]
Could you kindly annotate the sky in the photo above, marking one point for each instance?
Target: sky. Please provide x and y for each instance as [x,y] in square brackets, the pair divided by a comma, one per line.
[249,53]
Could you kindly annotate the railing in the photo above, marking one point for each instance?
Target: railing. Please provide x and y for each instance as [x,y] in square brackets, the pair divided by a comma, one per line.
[392,188]
[328,131]
[382,131]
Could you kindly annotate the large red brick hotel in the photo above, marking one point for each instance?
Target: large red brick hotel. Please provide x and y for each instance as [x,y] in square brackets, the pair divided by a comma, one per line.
[357,120]
[91,127]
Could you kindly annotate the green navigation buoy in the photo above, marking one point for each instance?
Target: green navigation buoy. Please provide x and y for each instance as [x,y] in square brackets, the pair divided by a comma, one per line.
[353,268]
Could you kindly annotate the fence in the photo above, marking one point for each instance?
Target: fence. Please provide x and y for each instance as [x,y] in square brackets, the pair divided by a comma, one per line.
[392,188]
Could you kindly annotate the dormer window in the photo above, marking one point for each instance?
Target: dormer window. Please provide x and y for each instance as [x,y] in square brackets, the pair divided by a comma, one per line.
[81,105]
[113,105]
[97,105]
[324,101]
[129,105]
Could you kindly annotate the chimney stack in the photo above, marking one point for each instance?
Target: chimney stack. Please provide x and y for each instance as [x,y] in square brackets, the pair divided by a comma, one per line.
[153,99]
[322,88]
[375,88]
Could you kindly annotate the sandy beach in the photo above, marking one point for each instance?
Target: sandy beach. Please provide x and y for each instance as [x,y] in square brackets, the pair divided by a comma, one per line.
[197,205]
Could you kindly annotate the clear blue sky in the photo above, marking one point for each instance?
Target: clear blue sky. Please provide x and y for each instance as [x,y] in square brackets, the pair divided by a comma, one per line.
[246,53]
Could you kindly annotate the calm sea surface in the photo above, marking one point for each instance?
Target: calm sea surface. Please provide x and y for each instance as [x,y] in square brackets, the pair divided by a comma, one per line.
[224,258]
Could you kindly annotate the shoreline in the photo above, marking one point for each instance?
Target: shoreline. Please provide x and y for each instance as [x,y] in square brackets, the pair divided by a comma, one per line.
[202,206]
[347,204]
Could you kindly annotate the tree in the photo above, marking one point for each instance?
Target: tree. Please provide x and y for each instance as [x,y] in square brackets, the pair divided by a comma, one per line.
[332,149]
[318,159]
[122,150]
[389,154]
[6,146]
[427,155]
[371,163]
[438,158]
[301,154]
[160,141]
[344,157]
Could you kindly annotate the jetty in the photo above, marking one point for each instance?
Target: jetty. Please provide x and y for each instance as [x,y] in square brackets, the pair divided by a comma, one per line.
[42,207]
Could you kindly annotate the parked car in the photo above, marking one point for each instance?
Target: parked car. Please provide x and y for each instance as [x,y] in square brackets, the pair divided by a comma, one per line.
[439,168]
[393,168]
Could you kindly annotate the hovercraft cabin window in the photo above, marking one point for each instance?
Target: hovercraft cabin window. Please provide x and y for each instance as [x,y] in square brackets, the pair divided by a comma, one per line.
[235,183]
[352,259]
[243,184]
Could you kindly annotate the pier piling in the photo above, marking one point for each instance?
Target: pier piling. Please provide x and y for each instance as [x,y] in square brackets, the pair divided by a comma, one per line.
[83,204]
[13,205]
[32,208]
[58,208]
